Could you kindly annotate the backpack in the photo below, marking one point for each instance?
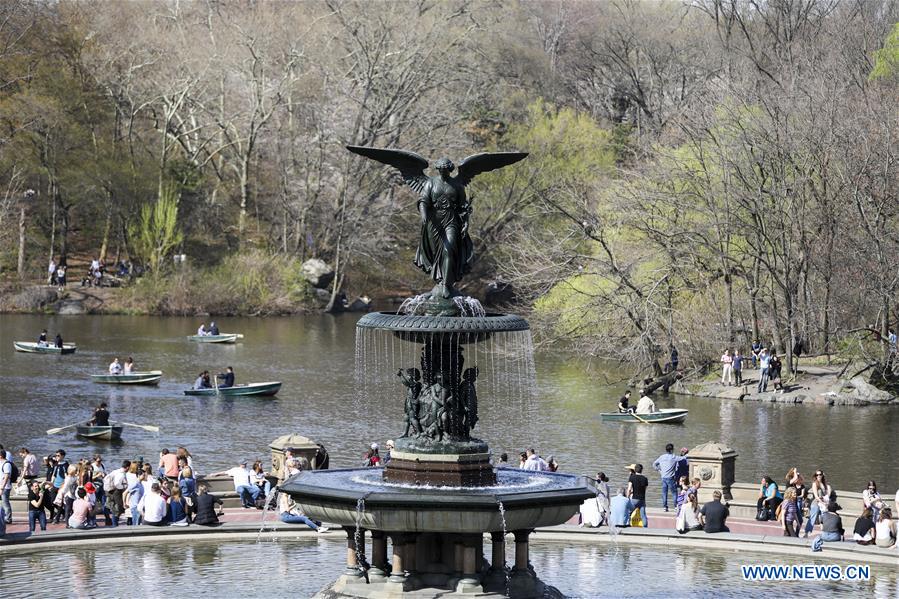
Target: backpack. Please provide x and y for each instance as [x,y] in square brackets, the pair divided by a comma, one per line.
[109,482]
[13,472]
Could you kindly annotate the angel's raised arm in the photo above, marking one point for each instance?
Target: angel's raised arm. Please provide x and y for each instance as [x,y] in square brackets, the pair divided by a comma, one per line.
[410,165]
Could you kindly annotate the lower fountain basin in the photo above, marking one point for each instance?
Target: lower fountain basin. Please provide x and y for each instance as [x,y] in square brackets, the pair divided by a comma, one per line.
[529,500]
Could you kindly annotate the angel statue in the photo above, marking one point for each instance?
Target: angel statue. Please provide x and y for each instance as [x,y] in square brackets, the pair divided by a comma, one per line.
[445,250]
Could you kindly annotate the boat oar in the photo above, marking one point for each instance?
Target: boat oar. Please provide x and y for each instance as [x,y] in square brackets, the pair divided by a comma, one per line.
[53,431]
[634,414]
[146,427]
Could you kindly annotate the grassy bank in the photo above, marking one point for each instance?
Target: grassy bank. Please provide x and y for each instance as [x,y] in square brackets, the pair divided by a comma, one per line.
[253,283]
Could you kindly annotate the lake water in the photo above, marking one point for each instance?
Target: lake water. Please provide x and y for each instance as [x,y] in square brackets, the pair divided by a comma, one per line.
[300,568]
[314,357]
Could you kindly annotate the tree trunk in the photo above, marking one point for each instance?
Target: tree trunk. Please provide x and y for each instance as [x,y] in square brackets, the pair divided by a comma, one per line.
[104,244]
[244,195]
[64,235]
[21,263]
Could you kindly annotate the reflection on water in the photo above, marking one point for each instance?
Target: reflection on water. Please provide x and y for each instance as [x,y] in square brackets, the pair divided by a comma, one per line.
[314,357]
[301,567]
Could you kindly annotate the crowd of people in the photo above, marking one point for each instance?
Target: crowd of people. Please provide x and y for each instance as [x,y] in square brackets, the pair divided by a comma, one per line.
[796,507]
[766,360]
[139,493]
[83,494]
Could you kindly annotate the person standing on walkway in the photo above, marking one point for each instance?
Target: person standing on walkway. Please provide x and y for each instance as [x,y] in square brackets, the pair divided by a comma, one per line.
[737,365]
[6,480]
[636,490]
[726,366]
[764,362]
[666,464]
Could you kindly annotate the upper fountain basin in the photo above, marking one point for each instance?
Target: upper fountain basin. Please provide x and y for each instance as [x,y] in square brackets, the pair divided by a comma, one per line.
[529,499]
[468,328]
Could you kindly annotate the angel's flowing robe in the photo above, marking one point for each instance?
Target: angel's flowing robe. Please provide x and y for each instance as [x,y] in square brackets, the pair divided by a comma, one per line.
[446,231]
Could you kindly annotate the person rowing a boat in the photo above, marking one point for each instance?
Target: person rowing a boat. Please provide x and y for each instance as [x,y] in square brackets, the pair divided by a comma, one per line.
[115,367]
[101,416]
[42,340]
[645,405]
[202,332]
[227,377]
[213,329]
[623,403]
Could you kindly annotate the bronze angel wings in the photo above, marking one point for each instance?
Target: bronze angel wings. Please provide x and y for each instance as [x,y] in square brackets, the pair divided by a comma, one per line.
[412,166]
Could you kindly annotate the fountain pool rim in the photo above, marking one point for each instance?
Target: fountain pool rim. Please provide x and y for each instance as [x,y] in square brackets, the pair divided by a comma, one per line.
[723,544]
[551,488]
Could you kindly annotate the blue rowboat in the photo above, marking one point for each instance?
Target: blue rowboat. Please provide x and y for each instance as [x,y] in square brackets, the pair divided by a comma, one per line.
[665,416]
[269,388]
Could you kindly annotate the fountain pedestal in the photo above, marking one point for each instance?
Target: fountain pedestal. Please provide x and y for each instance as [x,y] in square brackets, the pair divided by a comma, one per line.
[438,495]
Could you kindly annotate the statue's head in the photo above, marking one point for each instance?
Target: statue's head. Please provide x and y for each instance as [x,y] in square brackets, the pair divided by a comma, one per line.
[413,373]
[444,164]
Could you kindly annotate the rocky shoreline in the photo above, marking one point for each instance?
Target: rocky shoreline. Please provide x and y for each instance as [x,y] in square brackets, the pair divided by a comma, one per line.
[818,385]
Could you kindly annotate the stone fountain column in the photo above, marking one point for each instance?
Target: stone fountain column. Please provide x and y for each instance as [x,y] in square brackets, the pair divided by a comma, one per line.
[523,581]
[398,573]
[378,570]
[353,571]
[470,582]
[496,576]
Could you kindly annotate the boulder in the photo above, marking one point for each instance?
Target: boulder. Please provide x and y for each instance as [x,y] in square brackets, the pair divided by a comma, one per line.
[360,304]
[71,307]
[861,389]
[322,296]
[318,273]
[35,298]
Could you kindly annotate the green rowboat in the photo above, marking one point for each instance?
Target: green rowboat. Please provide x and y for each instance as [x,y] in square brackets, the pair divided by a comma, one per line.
[269,388]
[223,338]
[33,348]
[113,432]
[151,377]
[666,416]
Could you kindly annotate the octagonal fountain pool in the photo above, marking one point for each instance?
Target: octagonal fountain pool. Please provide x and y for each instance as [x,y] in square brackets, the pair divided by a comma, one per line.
[300,567]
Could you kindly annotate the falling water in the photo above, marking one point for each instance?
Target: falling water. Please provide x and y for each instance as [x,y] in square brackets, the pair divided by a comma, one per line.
[507,377]
[411,305]
[361,563]
[272,493]
[506,571]
[469,306]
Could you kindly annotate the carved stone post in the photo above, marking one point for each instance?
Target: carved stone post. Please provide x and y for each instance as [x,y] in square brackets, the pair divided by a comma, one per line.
[713,464]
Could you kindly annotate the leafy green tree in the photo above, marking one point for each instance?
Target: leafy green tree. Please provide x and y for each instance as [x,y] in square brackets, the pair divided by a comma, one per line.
[156,234]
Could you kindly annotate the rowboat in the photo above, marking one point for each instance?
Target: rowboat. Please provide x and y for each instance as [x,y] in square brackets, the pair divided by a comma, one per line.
[33,348]
[665,416]
[269,388]
[151,377]
[223,338]
[113,432]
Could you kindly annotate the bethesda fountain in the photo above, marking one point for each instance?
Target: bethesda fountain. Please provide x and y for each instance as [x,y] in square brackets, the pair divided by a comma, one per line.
[439,494]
